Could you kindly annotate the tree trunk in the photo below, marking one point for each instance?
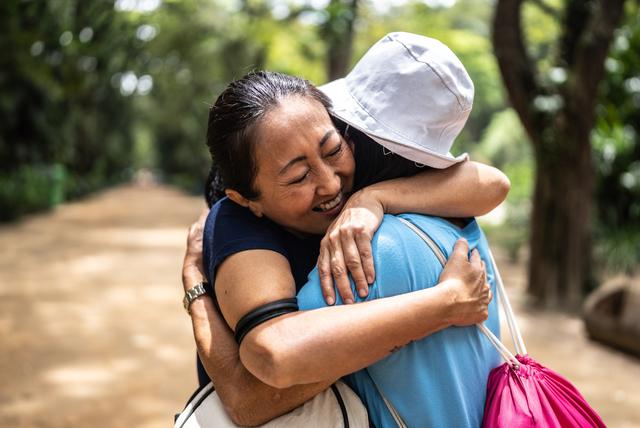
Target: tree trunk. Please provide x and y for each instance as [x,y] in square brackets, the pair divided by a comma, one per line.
[561,226]
[339,34]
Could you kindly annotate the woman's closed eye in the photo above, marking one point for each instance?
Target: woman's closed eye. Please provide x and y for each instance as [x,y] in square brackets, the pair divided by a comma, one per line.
[301,178]
[336,151]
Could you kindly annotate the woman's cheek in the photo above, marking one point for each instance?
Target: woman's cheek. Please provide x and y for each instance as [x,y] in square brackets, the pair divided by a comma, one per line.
[299,199]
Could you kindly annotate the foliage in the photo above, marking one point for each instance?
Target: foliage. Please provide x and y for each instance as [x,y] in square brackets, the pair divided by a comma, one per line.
[58,106]
[30,188]
[616,142]
[92,90]
[504,145]
[554,89]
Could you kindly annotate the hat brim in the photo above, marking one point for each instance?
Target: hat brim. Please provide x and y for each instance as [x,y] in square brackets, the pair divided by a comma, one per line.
[347,109]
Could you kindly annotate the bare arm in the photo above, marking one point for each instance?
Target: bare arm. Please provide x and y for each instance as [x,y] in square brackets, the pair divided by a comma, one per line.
[467,189]
[313,346]
[247,400]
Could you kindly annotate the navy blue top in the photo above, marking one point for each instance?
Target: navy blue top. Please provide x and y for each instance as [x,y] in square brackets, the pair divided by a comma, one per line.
[231,228]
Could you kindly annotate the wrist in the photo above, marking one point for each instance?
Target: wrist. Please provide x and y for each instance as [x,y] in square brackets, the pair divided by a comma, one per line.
[199,309]
[194,293]
[450,300]
[370,196]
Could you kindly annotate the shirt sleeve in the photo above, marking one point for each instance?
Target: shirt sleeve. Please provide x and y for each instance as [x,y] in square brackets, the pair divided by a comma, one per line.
[230,229]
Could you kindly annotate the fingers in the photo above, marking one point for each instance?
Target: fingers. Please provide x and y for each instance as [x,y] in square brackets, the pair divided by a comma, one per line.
[342,252]
[349,242]
[363,241]
[339,270]
[194,236]
[475,259]
[203,216]
[458,262]
[192,267]
[460,249]
[353,262]
[324,271]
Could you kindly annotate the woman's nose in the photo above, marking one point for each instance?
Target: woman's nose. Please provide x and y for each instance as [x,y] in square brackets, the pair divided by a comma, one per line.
[329,182]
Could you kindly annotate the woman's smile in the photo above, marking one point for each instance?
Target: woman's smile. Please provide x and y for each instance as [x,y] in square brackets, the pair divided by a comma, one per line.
[330,207]
[304,167]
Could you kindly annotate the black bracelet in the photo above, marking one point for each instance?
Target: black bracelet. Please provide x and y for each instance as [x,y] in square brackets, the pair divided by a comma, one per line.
[264,313]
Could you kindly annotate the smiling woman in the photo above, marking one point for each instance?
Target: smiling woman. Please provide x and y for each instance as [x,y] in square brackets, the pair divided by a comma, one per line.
[305,168]
[292,172]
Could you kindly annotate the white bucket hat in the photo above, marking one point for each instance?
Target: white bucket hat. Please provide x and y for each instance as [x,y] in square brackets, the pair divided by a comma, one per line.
[409,93]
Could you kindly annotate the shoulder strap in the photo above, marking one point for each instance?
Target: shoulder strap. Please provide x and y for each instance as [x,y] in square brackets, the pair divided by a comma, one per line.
[343,409]
[502,296]
[390,407]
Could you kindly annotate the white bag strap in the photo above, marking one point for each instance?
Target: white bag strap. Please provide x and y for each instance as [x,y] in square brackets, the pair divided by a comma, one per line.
[392,410]
[516,336]
[502,296]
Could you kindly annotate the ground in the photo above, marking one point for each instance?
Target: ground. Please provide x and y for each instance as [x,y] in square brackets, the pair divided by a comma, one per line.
[93,333]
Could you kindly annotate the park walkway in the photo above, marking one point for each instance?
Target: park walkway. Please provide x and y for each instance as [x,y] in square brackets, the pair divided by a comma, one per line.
[92,333]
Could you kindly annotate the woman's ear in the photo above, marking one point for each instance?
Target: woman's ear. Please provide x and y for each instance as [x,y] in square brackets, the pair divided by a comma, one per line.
[244,202]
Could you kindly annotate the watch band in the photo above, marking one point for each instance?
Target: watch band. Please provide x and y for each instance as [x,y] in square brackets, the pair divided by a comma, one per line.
[192,294]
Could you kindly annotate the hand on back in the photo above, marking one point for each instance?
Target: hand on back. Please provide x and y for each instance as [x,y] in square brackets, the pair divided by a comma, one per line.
[466,278]
[346,248]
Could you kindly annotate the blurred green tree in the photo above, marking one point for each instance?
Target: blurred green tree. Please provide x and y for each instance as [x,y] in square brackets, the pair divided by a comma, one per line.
[64,126]
[555,97]
[191,64]
[616,142]
[338,34]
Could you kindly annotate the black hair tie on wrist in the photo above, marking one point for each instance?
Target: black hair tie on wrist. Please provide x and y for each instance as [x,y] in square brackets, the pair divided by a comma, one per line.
[264,313]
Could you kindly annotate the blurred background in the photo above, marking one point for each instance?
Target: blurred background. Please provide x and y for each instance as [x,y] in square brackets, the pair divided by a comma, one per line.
[103,108]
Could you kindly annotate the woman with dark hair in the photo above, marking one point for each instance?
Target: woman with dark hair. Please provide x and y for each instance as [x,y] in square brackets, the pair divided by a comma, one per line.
[289,176]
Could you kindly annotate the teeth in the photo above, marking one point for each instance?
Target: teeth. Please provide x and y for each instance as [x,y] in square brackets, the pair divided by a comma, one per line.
[332,203]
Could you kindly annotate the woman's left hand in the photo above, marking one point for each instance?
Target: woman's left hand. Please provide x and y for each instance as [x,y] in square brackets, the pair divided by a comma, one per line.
[192,268]
[346,248]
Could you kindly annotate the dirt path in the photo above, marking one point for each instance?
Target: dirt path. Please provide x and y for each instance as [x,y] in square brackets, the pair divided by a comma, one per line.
[92,333]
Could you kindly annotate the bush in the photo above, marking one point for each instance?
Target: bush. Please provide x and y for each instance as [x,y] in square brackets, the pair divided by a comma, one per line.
[617,250]
[31,188]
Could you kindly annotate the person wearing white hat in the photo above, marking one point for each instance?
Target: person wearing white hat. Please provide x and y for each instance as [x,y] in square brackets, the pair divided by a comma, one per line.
[275,129]
[409,93]
[408,98]
[441,379]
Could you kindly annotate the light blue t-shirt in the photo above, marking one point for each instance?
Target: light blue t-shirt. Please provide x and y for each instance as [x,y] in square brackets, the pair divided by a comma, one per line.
[439,381]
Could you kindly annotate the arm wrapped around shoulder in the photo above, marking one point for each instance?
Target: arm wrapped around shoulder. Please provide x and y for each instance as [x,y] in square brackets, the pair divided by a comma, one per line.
[263,314]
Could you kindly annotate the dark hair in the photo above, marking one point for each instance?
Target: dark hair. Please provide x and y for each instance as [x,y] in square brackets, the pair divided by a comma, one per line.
[232,124]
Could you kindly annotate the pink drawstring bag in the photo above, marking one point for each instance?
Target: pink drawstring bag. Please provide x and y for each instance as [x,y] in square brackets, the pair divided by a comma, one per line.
[534,396]
[521,393]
